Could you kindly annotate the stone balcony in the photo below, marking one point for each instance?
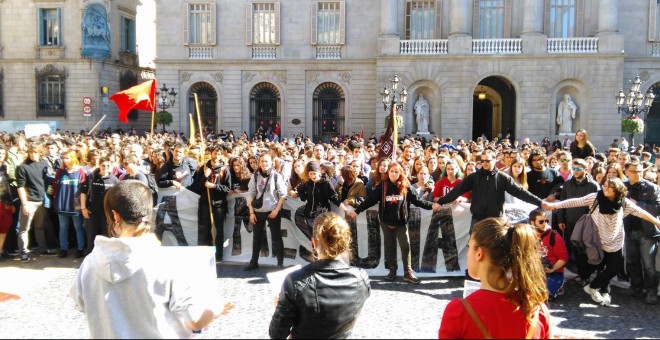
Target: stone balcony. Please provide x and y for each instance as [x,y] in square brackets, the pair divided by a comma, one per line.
[497,46]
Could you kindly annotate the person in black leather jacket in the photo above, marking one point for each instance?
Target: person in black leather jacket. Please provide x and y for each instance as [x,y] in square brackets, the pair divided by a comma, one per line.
[323,299]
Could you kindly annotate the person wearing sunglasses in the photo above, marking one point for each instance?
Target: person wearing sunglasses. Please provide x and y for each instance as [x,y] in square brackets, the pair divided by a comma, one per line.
[554,254]
[581,184]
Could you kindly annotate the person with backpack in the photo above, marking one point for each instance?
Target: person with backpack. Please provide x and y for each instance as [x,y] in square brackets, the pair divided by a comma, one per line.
[92,193]
[66,194]
[553,251]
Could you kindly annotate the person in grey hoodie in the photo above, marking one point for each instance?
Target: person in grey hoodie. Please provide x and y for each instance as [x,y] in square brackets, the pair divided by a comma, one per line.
[123,291]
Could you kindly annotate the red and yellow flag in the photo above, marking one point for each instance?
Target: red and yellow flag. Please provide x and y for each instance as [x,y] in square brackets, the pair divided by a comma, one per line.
[138,97]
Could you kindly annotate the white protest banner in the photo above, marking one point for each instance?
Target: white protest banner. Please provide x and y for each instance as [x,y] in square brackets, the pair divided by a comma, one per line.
[176,217]
[32,130]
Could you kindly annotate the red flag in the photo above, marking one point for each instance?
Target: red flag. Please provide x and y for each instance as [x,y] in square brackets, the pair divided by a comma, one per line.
[388,142]
[362,133]
[138,97]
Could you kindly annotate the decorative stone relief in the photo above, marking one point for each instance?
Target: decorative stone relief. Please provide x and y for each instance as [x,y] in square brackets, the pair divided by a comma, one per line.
[218,77]
[248,76]
[644,75]
[281,77]
[312,77]
[185,76]
[345,77]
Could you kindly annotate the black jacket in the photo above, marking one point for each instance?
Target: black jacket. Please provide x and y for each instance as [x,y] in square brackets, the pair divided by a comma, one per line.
[322,300]
[488,188]
[574,189]
[394,208]
[318,196]
[218,176]
[647,197]
[167,173]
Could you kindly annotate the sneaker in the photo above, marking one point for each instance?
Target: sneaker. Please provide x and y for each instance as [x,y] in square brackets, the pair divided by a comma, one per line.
[80,253]
[251,266]
[607,299]
[560,292]
[25,258]
[391,276]
[5,255]
[62,254]
[594,293]
[409,276]
[651,299]
[49,252]
[638,293]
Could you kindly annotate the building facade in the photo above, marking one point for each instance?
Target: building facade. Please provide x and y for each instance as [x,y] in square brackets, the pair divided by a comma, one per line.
[61,59]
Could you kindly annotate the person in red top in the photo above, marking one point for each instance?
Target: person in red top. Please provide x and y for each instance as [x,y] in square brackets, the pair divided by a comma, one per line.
[511,300]
[449,180]
[553,249]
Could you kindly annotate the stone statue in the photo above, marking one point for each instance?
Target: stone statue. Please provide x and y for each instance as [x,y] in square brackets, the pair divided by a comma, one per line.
[95,33]
[421,110]
[565,115]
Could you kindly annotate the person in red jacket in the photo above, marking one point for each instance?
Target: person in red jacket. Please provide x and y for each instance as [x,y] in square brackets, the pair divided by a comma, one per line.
[553,249]
[511,300]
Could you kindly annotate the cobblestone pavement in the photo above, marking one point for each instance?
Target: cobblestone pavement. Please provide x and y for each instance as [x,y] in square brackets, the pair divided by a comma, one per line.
[394,311]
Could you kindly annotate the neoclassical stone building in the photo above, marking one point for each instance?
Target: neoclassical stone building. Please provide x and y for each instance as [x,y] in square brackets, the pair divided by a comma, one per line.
[56,53]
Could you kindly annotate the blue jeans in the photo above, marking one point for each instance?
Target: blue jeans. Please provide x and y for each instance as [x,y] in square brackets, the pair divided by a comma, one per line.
[640,260]
[65,221]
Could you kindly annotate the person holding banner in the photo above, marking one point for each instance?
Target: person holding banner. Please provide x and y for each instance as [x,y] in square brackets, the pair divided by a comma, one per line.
[177,171]
[267,186]
[511,300]
[395,197]
[323,299]
[123,291]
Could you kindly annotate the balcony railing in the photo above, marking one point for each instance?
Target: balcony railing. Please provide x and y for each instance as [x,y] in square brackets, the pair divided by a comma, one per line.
[264,52]
[200,52]
[572,45]
[655,49]
[496,46]
[328,52]
[436,46]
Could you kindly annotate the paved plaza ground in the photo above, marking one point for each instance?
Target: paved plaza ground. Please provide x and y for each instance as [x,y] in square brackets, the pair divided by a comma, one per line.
[395,310]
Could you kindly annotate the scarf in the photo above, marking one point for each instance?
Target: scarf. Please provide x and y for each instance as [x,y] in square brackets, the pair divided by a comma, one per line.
[606,206]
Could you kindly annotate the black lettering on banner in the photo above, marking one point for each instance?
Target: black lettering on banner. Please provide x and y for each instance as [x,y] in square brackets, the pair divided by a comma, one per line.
[441,221]
[168,207]
[240,219]
[414,225]
[373,241]
[288,252]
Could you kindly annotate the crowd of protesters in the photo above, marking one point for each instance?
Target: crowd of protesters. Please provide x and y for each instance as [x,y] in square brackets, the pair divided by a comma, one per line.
[51,182]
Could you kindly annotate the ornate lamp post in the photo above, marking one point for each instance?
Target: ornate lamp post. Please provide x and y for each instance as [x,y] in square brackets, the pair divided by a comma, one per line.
[165,98]
[394,101]
[634,105]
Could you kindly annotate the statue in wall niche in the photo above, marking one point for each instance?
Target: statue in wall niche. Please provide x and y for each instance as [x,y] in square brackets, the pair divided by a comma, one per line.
[95,33]
[421,111]
[565,114]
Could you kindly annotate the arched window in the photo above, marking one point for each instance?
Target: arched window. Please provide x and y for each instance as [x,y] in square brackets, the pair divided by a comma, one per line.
[652,128]
[328,111]
[264,109]
[207,98]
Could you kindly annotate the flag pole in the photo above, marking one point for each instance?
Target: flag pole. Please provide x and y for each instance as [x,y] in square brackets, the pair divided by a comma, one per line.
[201,141]
[153,115]
[95,126]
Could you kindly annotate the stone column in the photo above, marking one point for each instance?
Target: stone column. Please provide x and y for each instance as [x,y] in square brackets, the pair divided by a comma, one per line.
[388,17]
[608,17]
[533,17]
[460,11]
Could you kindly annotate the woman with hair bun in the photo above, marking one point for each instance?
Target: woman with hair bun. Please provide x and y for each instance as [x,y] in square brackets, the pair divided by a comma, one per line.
[324,298]
[511,301]
[124,292]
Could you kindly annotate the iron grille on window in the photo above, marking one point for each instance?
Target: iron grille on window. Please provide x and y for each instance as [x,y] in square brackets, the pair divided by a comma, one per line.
[207,98]
[51,96]
[264,109]
[328,113]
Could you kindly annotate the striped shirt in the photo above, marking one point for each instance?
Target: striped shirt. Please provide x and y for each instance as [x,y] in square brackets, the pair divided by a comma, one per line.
[610,226]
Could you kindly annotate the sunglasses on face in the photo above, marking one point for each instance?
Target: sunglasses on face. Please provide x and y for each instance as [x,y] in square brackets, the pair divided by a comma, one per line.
[564,159]
[542,221]
[577,169]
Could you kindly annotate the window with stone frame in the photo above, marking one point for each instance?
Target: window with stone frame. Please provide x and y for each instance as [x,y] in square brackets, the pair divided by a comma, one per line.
[421,19]
[50,92]
[127,27]
[328,22]
[199,24]
[563,18]
[263,23]
[49,26]
[491,19]
[654,20]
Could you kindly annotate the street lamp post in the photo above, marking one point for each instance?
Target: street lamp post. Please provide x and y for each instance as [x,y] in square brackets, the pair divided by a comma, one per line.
[165,98]
[394,101]
[634,105]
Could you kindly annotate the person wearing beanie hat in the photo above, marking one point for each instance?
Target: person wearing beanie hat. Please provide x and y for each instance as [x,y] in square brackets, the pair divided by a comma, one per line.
[317,192]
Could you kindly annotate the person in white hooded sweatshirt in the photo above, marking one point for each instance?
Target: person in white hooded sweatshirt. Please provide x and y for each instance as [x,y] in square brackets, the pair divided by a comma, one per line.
[124,289]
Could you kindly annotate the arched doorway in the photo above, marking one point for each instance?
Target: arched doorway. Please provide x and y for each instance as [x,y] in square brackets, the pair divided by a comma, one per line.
[494,113]
[264,109]
[208,98]
[328,116]
[652,128]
